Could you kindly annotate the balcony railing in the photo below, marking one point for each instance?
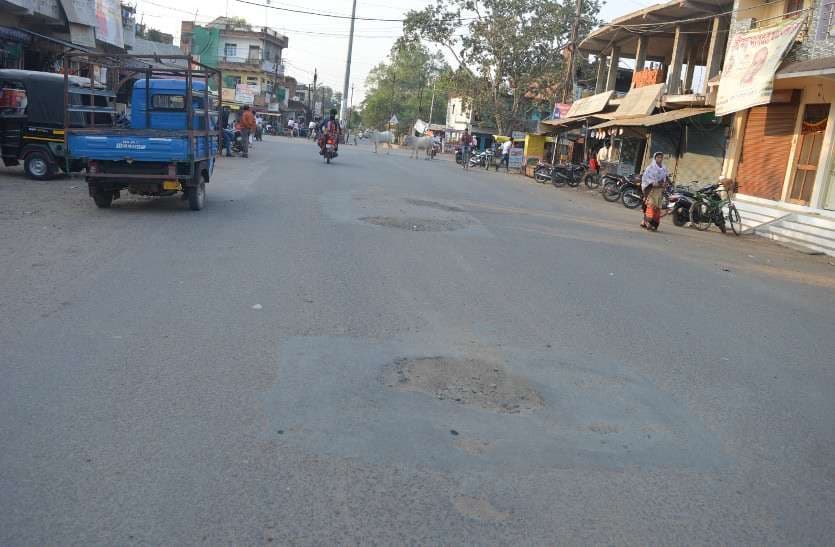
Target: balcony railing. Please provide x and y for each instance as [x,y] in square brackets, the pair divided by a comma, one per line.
[255,62]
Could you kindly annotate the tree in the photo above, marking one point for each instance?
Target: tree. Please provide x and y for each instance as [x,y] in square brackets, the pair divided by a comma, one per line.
[402,86]
[510,52]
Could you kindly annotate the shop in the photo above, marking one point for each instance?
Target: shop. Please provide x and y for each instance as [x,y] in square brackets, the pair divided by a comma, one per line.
[692,140]
[782,155]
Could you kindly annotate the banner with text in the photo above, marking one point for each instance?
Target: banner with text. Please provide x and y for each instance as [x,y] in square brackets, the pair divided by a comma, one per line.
[753,57]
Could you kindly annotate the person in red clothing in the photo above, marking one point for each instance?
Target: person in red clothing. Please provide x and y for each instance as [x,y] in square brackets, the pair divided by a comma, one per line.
[247,128]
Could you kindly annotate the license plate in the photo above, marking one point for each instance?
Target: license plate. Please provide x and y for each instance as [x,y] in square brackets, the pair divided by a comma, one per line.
[170,185]
[329,146]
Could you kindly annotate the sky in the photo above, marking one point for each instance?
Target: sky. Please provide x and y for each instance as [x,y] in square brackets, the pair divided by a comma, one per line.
[317,42]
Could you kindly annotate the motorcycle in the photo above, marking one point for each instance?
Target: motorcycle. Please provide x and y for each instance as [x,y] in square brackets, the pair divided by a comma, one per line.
[612,185]
[479,160]
[567,173]
[329,151]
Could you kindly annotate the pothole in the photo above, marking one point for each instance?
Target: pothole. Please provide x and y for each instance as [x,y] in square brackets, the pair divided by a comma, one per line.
[416,224]
[470,382]
[434,205]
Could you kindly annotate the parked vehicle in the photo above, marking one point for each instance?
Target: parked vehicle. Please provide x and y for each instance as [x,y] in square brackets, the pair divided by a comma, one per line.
[568,173]
[711,205]
[613,185]
[631,194]
[171,141]
[32,119]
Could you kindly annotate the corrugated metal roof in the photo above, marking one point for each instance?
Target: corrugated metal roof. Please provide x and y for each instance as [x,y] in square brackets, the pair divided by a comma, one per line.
[568,123]
[656,119]
[640,101]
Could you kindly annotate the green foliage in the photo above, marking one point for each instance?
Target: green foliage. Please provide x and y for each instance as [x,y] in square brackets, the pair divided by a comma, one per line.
[402,85]
[510,52]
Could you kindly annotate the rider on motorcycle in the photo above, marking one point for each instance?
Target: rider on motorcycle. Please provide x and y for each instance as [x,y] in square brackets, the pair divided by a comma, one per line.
[329,128]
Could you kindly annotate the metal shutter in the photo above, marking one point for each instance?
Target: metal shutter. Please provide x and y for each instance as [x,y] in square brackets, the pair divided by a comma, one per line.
[704,152]
[766,147]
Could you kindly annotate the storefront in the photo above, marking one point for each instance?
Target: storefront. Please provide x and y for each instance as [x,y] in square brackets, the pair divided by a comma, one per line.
[782,154]
[692,140]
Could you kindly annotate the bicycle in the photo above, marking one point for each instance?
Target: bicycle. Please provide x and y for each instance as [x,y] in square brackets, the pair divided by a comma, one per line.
[709,206]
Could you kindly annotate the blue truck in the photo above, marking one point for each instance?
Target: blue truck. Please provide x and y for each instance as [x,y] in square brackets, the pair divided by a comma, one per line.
[168,143]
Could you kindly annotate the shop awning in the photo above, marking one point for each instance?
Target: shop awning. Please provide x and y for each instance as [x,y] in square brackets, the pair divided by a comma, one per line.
[824,66]
[589,105]
[640,101]
[655,119]
[569,123]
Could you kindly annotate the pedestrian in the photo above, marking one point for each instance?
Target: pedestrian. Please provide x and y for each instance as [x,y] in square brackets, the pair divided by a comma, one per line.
[247,127]
[603,154]
[466,141]
[259,128]
[653,181]
[506,145]
[311,129]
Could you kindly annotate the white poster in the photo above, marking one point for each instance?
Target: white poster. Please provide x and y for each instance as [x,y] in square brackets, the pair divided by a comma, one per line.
[752,59]
[109,22]
[244,94]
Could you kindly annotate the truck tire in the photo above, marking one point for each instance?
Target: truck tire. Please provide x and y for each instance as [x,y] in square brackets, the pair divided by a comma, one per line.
[103,199]
[38,165]
[197,196]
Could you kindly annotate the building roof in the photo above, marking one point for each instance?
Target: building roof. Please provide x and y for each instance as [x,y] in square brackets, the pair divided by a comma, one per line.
[142,46]
[623,31]
[823,66]
[655,119]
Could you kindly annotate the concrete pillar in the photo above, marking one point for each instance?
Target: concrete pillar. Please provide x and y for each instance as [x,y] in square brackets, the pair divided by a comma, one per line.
[613,69]
[600,83]
[716,50]
[674,73]
[691,69]
[641,52]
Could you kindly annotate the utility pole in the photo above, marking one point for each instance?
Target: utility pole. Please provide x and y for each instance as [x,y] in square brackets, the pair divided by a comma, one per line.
[350,112]
[315,77]
[568,89]
[344,108]
[432,104]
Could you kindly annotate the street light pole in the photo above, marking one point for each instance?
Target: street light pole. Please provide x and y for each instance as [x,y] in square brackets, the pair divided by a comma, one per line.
[344,107]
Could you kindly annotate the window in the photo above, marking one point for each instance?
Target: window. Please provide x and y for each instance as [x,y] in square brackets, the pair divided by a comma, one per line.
[254,53]
[168,102]
[12,98]
[230,50]
[793,6]
[826,20]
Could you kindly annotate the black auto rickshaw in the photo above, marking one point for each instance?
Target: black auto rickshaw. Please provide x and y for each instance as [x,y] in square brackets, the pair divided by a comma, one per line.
[32,119]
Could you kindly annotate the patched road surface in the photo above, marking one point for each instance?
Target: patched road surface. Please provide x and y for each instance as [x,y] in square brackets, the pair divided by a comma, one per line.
[390,351]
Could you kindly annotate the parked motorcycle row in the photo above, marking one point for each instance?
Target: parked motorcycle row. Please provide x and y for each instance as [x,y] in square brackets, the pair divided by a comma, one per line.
[701,208]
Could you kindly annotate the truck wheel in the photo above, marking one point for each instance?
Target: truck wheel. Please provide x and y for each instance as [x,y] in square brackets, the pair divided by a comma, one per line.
[38,165]
[103,199]
[197,197]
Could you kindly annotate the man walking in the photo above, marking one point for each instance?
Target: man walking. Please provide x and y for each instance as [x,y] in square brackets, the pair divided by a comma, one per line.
[466,140]
[506,145]
[652,183]
[247,127]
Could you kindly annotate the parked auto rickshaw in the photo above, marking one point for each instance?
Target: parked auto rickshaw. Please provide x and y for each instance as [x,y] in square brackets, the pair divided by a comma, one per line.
[32,119]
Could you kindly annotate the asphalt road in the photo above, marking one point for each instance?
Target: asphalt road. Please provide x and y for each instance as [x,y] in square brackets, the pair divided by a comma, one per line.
[387,350]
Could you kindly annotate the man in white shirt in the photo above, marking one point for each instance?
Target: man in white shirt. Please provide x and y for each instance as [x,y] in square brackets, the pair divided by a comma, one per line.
[653,181]
[506,146]
[603,154]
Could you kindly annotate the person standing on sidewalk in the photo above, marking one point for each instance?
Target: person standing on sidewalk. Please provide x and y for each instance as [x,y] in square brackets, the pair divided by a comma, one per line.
[247,127]
[466,140]
[653,181]
[506,145]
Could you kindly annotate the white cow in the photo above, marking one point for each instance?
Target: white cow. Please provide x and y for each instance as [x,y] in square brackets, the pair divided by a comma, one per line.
[420,143]
[382,137]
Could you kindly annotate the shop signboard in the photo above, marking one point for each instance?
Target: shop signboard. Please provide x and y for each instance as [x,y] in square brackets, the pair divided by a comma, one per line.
[516,158]
[753,57]
[244,94]
[517,135]
[109,22]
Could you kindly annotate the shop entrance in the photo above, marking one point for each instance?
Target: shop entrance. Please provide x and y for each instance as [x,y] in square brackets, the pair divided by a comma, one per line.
[808,152]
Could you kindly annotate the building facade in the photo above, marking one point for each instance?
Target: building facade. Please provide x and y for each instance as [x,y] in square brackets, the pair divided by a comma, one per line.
[246,55]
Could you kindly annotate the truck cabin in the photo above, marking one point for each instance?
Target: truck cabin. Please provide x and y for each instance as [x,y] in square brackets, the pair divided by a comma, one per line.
[167,102]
